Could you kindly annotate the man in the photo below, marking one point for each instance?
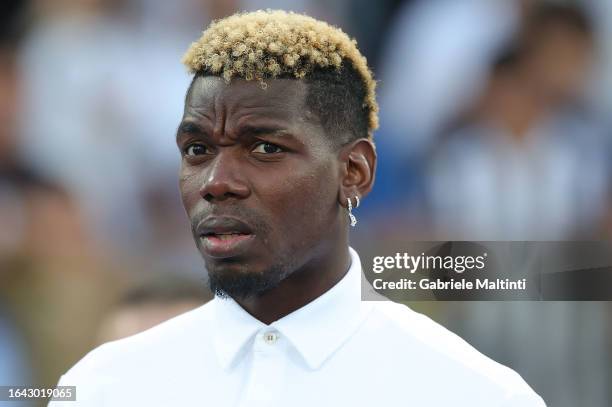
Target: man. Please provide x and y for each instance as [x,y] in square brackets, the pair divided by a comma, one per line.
[276,145]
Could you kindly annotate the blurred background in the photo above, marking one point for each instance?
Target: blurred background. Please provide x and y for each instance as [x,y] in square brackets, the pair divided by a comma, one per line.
[495,125]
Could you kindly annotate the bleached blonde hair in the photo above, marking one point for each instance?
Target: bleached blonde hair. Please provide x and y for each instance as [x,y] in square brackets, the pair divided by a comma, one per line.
[273,43]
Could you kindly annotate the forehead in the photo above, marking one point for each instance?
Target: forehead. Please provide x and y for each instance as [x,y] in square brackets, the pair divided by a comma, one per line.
[278,98]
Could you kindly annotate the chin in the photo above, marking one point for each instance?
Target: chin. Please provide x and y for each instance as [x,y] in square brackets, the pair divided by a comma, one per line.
[242,280]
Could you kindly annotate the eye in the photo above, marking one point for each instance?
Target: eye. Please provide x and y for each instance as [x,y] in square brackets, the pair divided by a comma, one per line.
[195,149]
[267,148]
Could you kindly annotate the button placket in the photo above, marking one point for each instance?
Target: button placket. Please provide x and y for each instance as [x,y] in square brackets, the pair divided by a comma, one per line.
[267,369]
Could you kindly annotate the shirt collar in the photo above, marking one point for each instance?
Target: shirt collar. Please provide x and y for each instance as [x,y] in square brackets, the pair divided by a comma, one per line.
[316,330]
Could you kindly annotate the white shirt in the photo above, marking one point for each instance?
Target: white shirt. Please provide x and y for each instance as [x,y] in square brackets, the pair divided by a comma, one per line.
[335,351]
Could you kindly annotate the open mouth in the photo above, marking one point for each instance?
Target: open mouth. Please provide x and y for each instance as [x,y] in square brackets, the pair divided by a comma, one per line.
[224,237]
[222,245]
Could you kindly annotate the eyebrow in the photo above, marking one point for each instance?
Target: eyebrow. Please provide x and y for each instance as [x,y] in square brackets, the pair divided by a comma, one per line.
[255,130]
[188,127]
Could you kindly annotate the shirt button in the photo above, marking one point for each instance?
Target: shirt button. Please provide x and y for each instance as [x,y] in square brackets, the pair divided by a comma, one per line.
[270,337]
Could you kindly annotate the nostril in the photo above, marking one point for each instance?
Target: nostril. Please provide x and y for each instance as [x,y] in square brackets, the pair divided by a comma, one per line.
[210,197]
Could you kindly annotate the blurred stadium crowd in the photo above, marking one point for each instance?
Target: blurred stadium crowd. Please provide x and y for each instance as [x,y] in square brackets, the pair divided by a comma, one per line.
[495,125]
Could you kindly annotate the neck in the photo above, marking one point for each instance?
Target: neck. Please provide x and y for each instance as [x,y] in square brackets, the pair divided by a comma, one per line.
[301,287]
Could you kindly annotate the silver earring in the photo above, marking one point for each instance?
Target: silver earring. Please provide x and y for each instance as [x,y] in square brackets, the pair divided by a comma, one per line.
[350,211]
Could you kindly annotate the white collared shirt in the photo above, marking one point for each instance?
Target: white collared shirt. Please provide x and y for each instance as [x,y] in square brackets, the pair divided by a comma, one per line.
[335,351]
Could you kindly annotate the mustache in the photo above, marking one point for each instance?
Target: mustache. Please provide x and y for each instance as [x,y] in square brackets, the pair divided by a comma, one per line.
[249,216]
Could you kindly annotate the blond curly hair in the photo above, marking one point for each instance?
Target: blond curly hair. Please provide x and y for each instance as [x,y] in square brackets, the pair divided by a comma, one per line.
[269,44]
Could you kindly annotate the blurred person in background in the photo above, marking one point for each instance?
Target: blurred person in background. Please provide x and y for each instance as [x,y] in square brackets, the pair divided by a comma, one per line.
[528,162]
[46,261]
[433,63]
[150,303]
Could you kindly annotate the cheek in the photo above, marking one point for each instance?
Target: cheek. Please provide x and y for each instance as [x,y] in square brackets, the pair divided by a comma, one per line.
[189,189]
[304,205]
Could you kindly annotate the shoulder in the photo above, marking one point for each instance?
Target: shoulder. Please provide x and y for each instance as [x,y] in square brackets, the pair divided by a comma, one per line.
[415,338]
[431,338]
[164,343]
[145,366]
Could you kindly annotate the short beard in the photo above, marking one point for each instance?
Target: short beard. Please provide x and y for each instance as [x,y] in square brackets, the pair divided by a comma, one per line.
[246,285]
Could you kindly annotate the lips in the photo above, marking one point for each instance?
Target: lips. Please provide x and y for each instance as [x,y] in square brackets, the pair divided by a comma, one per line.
[224,237]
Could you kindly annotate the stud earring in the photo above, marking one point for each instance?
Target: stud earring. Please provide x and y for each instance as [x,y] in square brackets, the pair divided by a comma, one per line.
[350,210]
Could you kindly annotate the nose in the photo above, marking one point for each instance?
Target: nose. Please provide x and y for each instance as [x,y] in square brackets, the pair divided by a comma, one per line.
[224,179]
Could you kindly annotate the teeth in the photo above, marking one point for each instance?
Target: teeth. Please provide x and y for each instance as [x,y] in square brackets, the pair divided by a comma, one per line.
[227,236]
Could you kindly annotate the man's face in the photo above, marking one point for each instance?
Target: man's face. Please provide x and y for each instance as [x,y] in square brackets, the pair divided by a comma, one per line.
[259,181]
[560,62]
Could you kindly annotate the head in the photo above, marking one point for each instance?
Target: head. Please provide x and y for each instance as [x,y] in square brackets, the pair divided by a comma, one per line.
[275,137]
[557,50]
[151,303]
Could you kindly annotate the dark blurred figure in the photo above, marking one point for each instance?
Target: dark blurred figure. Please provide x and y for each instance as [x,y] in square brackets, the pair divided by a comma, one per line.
[528,162]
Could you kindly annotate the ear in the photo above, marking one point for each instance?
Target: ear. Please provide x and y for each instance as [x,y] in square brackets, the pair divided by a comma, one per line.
[357,170]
